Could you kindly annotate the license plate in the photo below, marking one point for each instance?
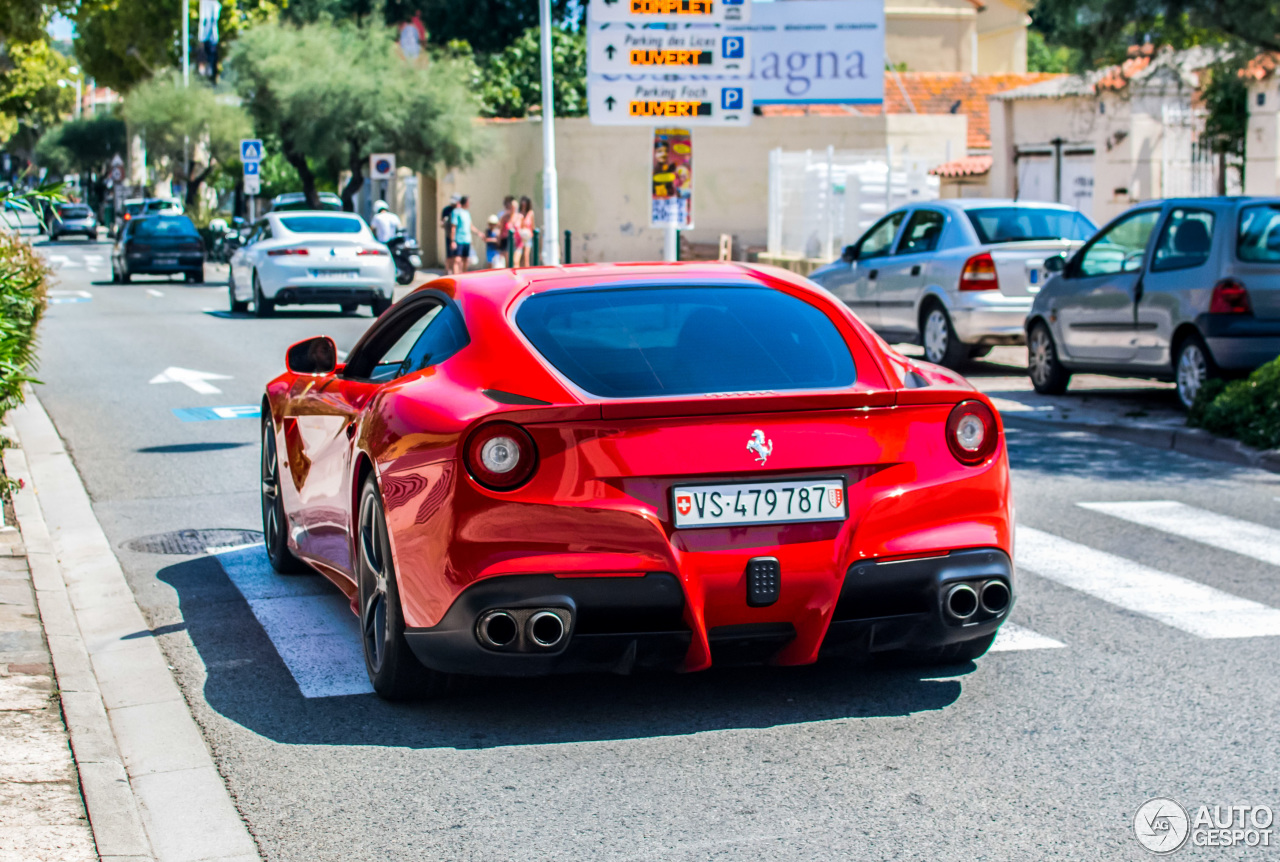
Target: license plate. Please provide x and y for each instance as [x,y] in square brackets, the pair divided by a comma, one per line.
[335,273]
[166,261]
[759,503]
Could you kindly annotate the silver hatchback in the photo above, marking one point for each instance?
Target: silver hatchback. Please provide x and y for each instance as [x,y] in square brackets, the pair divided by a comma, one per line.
[1176,290]
[956,276]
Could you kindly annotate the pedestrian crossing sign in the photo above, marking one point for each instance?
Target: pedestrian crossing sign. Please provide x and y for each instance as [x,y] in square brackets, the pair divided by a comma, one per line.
[251,150]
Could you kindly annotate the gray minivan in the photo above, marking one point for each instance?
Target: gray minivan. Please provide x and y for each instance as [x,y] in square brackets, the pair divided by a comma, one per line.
[1179,290]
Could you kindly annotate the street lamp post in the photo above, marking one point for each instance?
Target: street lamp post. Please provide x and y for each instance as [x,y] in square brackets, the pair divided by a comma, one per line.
[78,83]
[550,201]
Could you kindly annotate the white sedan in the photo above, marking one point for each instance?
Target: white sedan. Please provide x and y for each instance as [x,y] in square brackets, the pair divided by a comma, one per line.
[311,258]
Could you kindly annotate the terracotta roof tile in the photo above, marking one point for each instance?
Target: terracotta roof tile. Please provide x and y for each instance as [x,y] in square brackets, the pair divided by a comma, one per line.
[930,93]
[969,166]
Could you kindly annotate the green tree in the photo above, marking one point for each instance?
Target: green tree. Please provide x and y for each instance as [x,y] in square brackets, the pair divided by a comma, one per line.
[488,26]
[191,125]
[1043,57]
[363,98]
[511,80]
[29,90]
[83,147]
[25,20]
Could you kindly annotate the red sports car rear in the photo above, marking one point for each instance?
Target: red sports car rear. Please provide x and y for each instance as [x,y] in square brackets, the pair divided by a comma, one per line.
[637,466]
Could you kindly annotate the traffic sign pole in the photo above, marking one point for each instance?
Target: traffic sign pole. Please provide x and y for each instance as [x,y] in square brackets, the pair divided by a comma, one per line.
[550,184]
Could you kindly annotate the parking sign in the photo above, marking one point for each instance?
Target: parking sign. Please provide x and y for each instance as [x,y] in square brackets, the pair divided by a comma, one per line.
[251,169]
[733,47]
[732,99]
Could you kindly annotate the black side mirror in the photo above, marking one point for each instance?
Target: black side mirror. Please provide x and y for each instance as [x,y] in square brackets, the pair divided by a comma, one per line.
[850,254]
[1057,263]
[317,355]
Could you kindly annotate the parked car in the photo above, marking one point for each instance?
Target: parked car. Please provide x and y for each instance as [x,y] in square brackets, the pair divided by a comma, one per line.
[134,207]
[298,201]
[956,276]
[611,467]
[1180,290]
[311,258]
[73,219]
[158,245]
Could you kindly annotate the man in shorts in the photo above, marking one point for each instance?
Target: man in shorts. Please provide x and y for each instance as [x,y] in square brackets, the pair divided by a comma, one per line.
[460,219]
[446,224]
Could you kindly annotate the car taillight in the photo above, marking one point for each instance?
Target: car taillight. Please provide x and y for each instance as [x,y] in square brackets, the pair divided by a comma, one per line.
[979,273]
[364,251]
[1230,297]
[126,217]
[501,456]
[278,252]
[971,432]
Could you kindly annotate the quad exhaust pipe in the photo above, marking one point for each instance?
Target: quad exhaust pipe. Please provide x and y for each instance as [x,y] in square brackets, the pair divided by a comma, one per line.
[543,629]
[995,597]
[961,602]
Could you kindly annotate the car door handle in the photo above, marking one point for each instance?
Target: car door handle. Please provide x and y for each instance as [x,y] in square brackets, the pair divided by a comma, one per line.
[915,270]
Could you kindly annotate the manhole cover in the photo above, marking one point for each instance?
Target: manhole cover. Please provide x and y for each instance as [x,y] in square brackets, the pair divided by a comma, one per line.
[192,542]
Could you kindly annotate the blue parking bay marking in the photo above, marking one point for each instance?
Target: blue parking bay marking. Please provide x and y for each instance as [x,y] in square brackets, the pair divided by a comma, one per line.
[207,414]
[308,620]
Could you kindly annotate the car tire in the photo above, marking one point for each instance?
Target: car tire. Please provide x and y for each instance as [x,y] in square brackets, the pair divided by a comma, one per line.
[1193,367]
[275,523]
[262,307]
[125,277]
[394,671]
[379,306]
[350,307]
[1047,374]
[196,276]
[941,344]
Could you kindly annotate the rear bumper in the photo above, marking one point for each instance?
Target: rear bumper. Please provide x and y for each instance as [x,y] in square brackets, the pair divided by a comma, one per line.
[148,266]
[620,624]
[1240,342]
[991,320]
[329,294]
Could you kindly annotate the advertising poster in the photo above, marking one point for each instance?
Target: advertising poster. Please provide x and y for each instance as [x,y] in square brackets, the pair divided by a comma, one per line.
[672,182]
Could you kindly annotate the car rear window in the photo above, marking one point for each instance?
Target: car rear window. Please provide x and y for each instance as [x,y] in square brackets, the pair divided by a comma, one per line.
[160,227]
[1022,224]
[74,212]
[1259,237]
[643,342]
[322,224]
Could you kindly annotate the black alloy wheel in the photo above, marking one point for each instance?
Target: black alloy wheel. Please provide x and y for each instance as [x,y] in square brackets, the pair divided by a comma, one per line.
[393,669]
[275,523]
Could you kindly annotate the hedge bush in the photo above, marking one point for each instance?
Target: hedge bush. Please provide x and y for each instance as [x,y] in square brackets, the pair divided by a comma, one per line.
[23,283]
[1248,409]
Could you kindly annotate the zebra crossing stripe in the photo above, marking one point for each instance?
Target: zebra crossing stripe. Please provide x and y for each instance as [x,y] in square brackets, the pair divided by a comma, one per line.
[1193,607]
[1208,528]
[307,619]
[1014,637]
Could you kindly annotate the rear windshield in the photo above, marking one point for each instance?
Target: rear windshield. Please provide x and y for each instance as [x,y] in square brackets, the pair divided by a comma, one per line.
[74,212]
[654,341]
[133,209]
[159,227]
[162,205]
[1259,239]
[322,224]
[1022,224]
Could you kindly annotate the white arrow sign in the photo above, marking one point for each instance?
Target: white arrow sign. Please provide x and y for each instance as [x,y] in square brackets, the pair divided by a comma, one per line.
[193,379]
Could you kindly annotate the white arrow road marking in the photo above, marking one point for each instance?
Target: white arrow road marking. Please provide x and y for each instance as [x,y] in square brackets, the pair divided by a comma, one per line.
[193,379]
[1179,602]
[153,292]
[1208,528]
[1014,637]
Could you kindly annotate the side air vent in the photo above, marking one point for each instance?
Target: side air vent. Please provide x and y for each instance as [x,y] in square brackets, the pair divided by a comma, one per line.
[511,398]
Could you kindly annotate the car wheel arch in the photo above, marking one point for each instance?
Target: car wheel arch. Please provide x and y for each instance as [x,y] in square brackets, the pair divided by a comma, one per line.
[1184,331]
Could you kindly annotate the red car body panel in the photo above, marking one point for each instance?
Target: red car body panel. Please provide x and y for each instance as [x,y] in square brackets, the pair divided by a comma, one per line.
[598,504]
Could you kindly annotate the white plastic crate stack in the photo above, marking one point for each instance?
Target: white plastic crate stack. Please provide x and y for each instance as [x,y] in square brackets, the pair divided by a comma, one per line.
[821,200]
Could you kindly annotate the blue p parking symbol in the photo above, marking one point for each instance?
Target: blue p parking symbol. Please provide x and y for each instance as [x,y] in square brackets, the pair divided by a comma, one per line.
[732,47]
[731,98]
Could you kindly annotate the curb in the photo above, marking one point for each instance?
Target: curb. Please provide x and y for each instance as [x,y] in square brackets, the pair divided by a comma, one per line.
[1189,441]
[151,789]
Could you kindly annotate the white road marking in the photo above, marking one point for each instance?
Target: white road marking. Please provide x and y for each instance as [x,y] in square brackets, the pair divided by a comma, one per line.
[153,292]
[93,259]
[61,261]
[307,619]
[195,380]
[1208,528]
[1179,602]
[1014,637]
[86,294]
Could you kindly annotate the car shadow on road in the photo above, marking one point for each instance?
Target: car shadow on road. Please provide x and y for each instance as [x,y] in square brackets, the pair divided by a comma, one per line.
[248,683]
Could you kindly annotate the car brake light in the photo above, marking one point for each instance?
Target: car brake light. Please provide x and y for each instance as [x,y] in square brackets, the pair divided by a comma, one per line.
[971,432]
[277,252]
[501,456]
[1230,297]
[364,251]
[979,273]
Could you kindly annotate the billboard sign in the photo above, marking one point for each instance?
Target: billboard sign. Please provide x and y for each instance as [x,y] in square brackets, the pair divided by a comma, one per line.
[671,188]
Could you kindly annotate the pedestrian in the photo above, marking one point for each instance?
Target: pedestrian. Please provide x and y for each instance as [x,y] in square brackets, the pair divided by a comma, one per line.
[526,230]
[386,224]
[460,218]
[446,224]
[492,244]
[509,228]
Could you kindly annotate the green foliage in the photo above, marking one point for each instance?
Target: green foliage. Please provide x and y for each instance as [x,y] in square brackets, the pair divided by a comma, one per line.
[1226,99]
[363,98]
[82,146]
[1043,57]
[29,91]
[188,123]
[489,26]
[23,282]
[511,80]
[1248,409]
[25,20]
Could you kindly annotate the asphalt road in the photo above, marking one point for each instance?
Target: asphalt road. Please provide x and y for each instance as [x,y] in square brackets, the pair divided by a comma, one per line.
[1135,688]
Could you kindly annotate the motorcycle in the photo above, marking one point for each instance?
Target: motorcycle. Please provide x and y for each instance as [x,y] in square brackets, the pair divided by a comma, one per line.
[228,240]
[407,256]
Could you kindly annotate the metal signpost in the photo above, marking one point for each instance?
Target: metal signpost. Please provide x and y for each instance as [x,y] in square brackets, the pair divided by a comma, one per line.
[669,62]
[251,157]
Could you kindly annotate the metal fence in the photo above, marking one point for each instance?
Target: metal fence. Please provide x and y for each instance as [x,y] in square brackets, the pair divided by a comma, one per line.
[822,200]
[1188,168]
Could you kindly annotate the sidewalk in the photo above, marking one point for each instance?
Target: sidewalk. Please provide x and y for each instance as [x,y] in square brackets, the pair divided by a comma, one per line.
[42,816]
